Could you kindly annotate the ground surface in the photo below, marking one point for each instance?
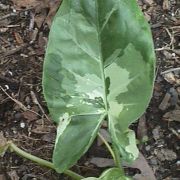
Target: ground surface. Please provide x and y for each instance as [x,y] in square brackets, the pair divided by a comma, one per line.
[23,37]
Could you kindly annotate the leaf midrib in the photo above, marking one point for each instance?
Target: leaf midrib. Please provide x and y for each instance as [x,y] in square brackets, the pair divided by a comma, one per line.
[101,58]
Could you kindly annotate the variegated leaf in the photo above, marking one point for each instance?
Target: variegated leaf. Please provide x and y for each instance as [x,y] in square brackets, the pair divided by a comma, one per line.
[99,60]
[110,174]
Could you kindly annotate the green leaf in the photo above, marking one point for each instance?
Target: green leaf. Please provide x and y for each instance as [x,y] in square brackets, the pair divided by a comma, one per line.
[4,145]
[76,132]
[99,60]
[110,174]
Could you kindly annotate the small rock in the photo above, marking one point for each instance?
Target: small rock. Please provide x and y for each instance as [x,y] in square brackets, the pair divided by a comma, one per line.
[169,154]
[148,148]
[153,161]
[166,155]
[22,125]
[155,132]
[160,155]
[167,55]
[174,95]
[18,116]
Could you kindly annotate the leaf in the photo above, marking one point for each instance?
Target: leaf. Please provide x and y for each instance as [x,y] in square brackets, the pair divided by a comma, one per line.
[99,60]
[74,132]
[110,174]
[3,144]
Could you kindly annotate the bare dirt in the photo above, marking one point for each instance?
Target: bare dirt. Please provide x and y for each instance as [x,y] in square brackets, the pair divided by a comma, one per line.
[24,28]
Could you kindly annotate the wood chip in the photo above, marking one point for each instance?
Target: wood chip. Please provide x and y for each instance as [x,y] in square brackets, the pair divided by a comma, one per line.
[18,38]
[165,102]
[166,5]
[2,177]
[142,128]
[172,116]
[30,116]
[148,2]
[169,77]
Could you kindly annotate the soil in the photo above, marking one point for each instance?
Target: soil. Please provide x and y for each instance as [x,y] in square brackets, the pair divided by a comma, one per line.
[23,111]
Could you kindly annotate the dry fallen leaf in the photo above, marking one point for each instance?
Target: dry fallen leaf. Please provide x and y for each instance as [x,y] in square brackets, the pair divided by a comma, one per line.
[142,164]
[106,136]
[102,162]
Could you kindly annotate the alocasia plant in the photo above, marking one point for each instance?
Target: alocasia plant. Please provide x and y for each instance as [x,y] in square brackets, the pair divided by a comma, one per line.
[99,65]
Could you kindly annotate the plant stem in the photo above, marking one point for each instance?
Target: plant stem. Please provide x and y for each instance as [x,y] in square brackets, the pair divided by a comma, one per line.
[118,160]
[108,146]
[114,154]
[41,162]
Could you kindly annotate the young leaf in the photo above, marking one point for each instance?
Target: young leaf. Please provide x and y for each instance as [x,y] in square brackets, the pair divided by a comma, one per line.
[110,174]
[99,60]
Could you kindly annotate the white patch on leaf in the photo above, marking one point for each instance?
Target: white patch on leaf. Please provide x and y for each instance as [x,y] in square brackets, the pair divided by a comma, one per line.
[64,120]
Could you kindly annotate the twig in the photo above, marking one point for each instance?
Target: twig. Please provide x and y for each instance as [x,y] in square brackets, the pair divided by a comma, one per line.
[12,51]
[176,51]
[171,35]
[163,49]
[174,132]
[12,26]
[7,16]
[32,19]
[170,70]
[35,101]
[21,105]
[108,146]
